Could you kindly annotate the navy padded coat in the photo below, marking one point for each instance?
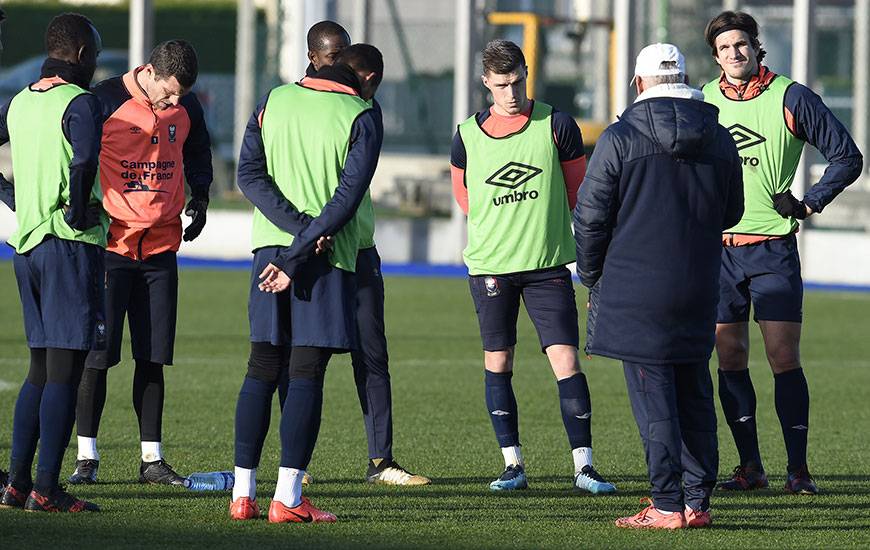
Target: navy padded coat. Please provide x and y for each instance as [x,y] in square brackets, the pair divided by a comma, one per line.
[663,183]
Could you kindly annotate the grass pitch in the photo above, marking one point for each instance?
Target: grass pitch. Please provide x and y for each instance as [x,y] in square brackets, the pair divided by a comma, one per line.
[442,430]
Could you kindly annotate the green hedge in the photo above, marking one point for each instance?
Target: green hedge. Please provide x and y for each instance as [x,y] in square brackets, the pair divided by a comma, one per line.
[209,25]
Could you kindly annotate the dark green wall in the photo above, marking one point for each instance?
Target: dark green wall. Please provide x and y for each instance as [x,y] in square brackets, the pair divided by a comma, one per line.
[209,26]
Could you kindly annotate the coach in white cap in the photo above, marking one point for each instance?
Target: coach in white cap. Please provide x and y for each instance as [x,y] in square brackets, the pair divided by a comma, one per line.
[660,71]
[663,183]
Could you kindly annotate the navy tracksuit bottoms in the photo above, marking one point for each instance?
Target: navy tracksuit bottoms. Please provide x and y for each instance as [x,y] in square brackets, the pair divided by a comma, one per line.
[371,361]
[674,410]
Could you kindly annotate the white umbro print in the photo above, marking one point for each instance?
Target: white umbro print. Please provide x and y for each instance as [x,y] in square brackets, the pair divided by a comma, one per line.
[499,412]
[744,419]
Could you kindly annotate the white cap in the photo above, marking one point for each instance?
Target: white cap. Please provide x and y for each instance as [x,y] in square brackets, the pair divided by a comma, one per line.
[650,59]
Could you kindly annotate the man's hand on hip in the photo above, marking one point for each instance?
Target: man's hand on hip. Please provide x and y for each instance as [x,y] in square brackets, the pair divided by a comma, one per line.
[788,206]
[92,218]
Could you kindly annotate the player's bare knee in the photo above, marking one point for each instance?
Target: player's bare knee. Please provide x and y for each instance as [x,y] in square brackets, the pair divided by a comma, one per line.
[732,359]
[732,354]
[499,361]
[783,359]
[732,348]
[563,360]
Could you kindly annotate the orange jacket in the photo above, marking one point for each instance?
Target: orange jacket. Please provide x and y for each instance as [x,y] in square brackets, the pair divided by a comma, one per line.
[145,158]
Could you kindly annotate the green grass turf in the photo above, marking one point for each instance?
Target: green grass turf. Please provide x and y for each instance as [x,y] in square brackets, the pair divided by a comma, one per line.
[441,430]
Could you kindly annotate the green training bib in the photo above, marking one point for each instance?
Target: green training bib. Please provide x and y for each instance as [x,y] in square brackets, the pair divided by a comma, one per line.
[769,151]
[41,155]
[518,216]
[305,153]
[365,216]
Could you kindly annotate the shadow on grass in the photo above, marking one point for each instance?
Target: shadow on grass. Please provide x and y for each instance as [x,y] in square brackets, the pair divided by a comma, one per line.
[757,528]
[430,493]
[804,503]
[254,534]
[182,494]
[532,479]
[110,483]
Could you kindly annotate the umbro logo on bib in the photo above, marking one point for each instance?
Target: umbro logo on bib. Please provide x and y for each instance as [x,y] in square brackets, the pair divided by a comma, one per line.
[744,137]
[512,175]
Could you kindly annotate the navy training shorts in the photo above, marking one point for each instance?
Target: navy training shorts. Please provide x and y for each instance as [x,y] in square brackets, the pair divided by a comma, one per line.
[549,298]
[323,306]
[61,287]
[318,310]
[146,293]
[766,275]
[268,314]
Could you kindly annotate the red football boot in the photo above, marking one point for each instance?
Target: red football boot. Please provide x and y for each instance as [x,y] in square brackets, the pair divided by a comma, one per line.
[698,518]
[58,501]
[244,508]
[744,478]
[304,513]
[10,497]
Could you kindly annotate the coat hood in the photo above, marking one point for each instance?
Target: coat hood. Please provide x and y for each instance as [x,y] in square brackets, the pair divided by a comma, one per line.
[680,126]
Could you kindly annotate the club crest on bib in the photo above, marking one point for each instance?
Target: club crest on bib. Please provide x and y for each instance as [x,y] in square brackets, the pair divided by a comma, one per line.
[491,284]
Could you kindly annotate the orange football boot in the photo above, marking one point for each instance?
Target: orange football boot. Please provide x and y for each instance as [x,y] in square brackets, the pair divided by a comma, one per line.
[304,513]
[650,518]
[244,508]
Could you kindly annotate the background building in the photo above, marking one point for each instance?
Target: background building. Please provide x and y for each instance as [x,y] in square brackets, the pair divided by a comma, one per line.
[583,62]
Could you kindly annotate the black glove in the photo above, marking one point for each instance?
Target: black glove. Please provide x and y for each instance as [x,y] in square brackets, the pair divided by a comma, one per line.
[788,206]
[93,217]
[196,209]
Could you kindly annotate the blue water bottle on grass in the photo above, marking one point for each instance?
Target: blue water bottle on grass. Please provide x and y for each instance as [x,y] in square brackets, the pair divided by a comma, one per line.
[210,481]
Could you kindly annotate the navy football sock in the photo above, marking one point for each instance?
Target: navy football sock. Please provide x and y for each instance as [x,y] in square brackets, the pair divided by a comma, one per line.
[25,434]
[300,421]
[576,410]
[502,406]
[283,380]
[738,403]
[57,413]
[792,397]
[25,423]
[253,415]
[58,403]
